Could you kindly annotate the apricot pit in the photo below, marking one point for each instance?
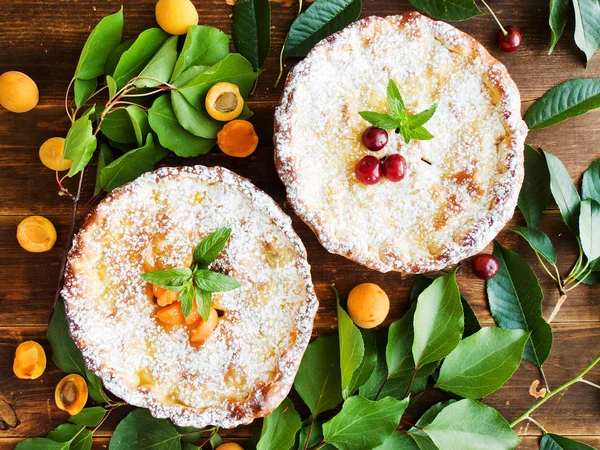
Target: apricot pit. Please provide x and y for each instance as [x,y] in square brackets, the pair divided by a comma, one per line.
[238,139]
[176,16]
[51,154]
[71,394]
[224,102]
[18,92]
[368,305]
[36,234]
[30,360]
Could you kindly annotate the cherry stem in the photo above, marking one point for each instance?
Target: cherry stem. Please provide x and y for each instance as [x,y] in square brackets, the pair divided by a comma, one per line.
[504,32]
[537,424]
[590,383]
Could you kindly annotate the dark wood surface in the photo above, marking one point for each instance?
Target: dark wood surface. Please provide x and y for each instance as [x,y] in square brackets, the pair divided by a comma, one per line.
[43,38]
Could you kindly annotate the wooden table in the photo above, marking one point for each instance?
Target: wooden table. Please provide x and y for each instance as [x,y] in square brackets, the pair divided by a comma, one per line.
[43,38]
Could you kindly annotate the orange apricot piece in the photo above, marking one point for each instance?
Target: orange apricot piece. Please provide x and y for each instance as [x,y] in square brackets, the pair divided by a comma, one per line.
[167,298]
[51,154]
[237,138]
[30,360]
[36,234]
[157,291]
[224,102]
[18,92]
[205,328]
[368,305]
[71,394]
[173,315]
[176,16]
[230,446]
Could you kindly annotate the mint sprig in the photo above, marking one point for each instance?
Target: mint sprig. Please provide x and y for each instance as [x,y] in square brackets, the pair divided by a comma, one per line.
[409,126]
[198,282]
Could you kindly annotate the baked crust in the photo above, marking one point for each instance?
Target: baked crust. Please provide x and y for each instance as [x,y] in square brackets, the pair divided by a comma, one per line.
[100,314]
[329,65]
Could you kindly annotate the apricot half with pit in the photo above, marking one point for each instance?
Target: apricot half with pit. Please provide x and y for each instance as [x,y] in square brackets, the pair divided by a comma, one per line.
[30,360]
[71,394]
[224,102]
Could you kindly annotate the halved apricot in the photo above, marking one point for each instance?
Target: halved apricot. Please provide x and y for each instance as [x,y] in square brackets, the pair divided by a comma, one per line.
[237,138]
[36,234]
[71,394]
[30,360]
[224,101]
[205,328]
[51,154]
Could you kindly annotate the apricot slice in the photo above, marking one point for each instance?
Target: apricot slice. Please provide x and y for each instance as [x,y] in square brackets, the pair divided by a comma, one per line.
[230,446]
[71,394]
[224,102]
[51,154]
[238,139]
[368,305]
[173,315]
[176,16]
[205,328]
[167,297]
[36,234]
[30,360]
[18,92]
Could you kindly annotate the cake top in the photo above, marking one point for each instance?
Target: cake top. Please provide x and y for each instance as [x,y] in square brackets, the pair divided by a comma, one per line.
[460,188]
[246,367]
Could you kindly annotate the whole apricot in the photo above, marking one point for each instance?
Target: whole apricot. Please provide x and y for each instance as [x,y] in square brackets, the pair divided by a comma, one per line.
[368,305]
[176,16]
[230,446]
[224,102]
[71,394]
[51,154]
[30,360]
[205,328]
[18,92]
[36,234]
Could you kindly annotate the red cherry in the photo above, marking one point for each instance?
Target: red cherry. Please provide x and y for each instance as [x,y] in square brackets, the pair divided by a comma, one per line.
[511,42]
[368,170]
[375,138]
[485,266]
[394,167]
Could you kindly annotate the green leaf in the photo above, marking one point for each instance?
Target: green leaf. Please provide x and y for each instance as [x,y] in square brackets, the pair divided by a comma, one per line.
[590,186]
[131,165]
[280,428]
[233,69]
[398,353]
[559,11]
[139,121]
[161,65]
[203,46]
[77,437]
[251,26]
[318,380]
[420,119]
[117,127]
[368,363]
[380,120]
[535,192]
[438,322]
[352,349]
[170,279]
[555,442]
[194,120]
[105,157]
[570,99]
[171,134]
[209,248]
[186,298]
[539,242]
[215,441]
[65,353]
[564,192]
[589,229]
[138,55]
[471,425]
[115,56]
[316,436]
[41,444]
[398,441]
[395,101]
[321,19]
[450,10]
[515,298]
[101,42]
[189,75]
[95,386]
[111,85]
[83,90]
[363,423]
[204,305]
[483,362]
[214,282]
[140,431]
[420,134]
[587,26]
[80,143]
[89,417]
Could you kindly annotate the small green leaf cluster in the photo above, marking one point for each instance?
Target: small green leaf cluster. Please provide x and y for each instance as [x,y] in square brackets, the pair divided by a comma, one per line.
[376,376]
[155,98]
[198,282]
[410,126]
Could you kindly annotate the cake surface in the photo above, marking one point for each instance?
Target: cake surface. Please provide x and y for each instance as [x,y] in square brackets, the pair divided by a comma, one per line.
[461,187]
[247,365]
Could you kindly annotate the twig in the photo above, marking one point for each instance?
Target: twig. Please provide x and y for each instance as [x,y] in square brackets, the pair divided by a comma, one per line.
[590,383]
[556,309]
[283,48]
[537,424]
[67,100]
[504,32]
[412,380]
[310,428]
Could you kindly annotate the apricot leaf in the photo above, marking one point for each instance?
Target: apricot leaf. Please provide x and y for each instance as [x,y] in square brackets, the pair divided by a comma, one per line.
[194,120]
[279,429]
[141,431]
[83,90]
[352,348]
[41,444]
[105,157]
[75,436]
[535,192]
[398,441]
[160,66]
[251,25]
[115,56]
[117,127]
[80,143]
[99,45]
[139,121]
[89,417]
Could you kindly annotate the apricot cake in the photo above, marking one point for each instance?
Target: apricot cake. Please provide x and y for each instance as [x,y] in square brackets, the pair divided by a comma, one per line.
[246,365]
[447,195]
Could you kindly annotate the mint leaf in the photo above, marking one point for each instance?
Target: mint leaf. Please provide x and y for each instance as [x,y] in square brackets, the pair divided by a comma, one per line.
[420,119]
[421,134]
[251,26]
[209,281]
[564,192]
[535,193]
[171,279]
[204,304]
[395,101]
[380,120]
[589,229]
[280,428]
[539,242]
[186,298]
[209,248]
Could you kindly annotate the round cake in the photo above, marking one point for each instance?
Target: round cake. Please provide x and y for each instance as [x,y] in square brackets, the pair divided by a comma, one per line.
[246,366]
[460,187]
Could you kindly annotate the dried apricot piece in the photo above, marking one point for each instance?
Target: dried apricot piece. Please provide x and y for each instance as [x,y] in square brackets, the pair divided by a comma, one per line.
[205,328]
[51,154]
[18,92]
[30,360]
[71,394]
[238,138]
[36,234]
[176,16]
[368,305]
[224,102]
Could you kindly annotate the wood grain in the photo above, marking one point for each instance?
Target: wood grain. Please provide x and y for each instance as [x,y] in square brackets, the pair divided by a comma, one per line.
[44,37]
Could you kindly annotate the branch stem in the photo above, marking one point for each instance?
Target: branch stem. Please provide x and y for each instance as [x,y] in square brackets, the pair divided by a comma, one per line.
[504,32]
